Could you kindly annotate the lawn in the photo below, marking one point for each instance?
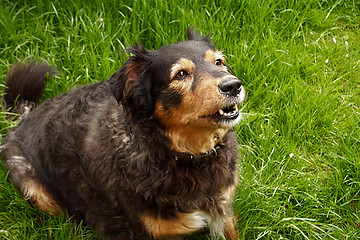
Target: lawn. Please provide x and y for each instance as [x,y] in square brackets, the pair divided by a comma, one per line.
[299,61]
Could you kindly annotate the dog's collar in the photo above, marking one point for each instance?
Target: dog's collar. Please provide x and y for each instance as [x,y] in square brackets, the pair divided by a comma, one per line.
[211,153]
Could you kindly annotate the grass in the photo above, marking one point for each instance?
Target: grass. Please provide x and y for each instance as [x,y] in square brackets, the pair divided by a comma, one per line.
[299,61]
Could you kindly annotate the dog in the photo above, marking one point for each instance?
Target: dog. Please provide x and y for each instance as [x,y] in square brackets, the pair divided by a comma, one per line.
[148,154]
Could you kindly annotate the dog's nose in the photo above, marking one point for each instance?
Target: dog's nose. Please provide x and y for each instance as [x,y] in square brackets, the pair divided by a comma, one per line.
[230,86]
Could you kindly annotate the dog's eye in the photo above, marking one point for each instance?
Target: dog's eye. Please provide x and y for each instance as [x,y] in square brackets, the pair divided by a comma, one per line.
[218,62]
[181,74]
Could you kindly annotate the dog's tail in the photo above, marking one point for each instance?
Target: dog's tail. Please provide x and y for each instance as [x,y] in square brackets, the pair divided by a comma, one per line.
[25,84]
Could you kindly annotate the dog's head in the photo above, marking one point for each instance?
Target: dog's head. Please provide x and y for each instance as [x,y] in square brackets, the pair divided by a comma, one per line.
[188,88]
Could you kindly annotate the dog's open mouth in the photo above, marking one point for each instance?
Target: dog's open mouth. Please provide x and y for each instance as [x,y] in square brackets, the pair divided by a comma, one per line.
[230,112]
[227,113]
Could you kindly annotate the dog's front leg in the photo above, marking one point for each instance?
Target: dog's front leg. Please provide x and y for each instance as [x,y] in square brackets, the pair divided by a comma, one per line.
[230,229]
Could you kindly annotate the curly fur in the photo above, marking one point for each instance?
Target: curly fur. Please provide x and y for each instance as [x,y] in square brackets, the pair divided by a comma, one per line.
[103,153]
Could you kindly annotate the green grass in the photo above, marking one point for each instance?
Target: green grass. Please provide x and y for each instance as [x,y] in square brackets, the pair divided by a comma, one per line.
[300,64]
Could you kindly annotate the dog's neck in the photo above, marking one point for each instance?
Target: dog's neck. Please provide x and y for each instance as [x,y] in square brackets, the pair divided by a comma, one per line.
[195,141]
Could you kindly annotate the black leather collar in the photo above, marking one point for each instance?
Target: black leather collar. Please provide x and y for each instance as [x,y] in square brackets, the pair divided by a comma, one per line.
[211,153]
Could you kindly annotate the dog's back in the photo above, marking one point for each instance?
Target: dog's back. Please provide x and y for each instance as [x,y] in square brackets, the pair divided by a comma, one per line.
[53,154]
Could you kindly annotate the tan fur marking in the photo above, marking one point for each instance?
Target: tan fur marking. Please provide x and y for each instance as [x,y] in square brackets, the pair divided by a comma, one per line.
[229,193]
[182,87]
[195,140]
[188,223]
[211,56]
[185,223]
[40,197]
[183,64]
[204,100]
[186,126]
[230,229]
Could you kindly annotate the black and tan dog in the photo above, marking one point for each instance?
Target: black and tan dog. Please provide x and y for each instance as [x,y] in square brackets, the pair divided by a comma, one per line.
[147,154]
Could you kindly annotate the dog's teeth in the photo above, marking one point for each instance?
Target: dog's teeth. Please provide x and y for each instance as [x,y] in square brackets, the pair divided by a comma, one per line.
[229,113]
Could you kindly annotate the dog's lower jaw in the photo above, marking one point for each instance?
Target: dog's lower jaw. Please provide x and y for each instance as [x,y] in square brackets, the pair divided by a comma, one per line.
[193,140]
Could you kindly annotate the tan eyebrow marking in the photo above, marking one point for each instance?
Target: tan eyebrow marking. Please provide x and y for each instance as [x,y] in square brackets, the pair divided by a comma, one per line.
[183,64]
[211,56]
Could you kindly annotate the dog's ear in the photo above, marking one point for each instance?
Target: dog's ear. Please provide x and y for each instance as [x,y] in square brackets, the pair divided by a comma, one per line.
[132,84]
[192,35]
